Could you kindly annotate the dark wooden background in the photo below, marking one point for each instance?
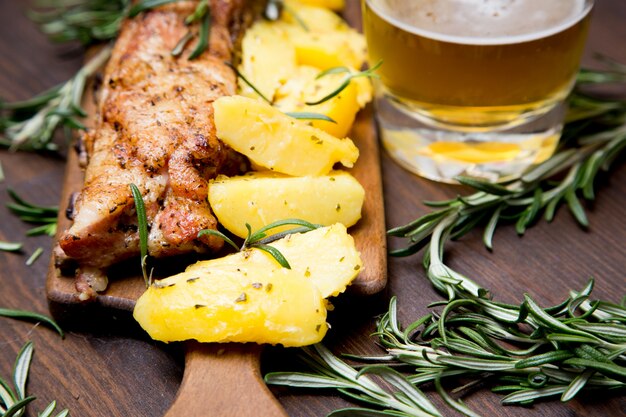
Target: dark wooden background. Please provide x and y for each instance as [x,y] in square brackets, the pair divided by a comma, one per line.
[114,370]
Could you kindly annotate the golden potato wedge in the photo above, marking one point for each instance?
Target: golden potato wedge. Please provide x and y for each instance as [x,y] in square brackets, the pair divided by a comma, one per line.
[264,45]
[261,198]
[249,297]
[330,4]
[304,87]
[316,18]
[228,303]
[326,257]
[280,143]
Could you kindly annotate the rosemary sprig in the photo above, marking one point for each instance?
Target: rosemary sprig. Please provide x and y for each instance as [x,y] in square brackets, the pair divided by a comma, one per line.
[30,124]
[260,240]
[525,351]
[44,217]
[142,225]
[85,21]
[296,115]
[13,400]
[331,372]
[369,73]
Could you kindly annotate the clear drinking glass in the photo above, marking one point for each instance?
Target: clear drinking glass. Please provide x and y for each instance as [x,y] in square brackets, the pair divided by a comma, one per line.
[473,87]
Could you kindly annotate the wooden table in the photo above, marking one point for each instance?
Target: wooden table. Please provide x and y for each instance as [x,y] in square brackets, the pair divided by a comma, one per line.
[114,370]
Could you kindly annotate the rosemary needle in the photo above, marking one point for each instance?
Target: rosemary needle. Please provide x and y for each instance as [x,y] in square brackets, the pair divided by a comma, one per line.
[370,73]
[260,240]
[10,246]
[34,256]
[30,315]
[142,225]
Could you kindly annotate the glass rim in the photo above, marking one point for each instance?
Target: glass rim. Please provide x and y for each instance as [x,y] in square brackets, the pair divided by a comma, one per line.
[482,41]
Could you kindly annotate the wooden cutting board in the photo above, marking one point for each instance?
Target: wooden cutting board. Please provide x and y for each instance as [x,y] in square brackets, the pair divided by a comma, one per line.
[225,379]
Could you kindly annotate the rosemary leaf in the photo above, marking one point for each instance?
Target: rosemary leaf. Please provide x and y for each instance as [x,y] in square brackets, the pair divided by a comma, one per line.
[219,234]
[295,379]
[364,412]
[142,224]
[21,368]
[399,381]
[145,5]
[260,234]
[47,412]
[17,409]
[370,73]
[333,70]
[456,405]
[275,254]
[248,82]
[10,246]
[32,316]
[201,10]
[609,369]
[7,397]
[63,413]
[310,116]
[541,359]
[576,385]
[484,186]
[491,228]
[203,36]
[180,46]
[34,256]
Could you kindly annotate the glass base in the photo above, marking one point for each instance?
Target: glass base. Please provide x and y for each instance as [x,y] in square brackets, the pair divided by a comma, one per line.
[440,154]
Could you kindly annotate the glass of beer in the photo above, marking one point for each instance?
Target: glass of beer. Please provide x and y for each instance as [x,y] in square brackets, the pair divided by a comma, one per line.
[473,87]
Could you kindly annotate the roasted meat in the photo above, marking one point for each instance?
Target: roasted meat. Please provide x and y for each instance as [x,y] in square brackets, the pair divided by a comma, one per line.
[154,128]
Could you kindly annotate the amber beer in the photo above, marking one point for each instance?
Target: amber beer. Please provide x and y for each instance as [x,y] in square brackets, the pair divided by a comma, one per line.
[476,65]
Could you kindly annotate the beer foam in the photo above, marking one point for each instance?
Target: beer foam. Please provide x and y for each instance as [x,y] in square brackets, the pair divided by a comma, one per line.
[482,22]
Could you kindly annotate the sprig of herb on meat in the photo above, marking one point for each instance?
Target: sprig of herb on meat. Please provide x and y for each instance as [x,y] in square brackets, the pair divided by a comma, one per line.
[260,239]
[142,229]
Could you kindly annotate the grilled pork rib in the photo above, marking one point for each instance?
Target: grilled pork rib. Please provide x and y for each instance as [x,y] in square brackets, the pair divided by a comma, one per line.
[154,129]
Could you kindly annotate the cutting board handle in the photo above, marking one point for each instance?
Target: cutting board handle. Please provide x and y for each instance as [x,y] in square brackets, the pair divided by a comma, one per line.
[224,380]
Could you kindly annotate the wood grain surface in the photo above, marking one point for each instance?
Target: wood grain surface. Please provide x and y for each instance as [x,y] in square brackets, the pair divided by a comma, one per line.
[114,370]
